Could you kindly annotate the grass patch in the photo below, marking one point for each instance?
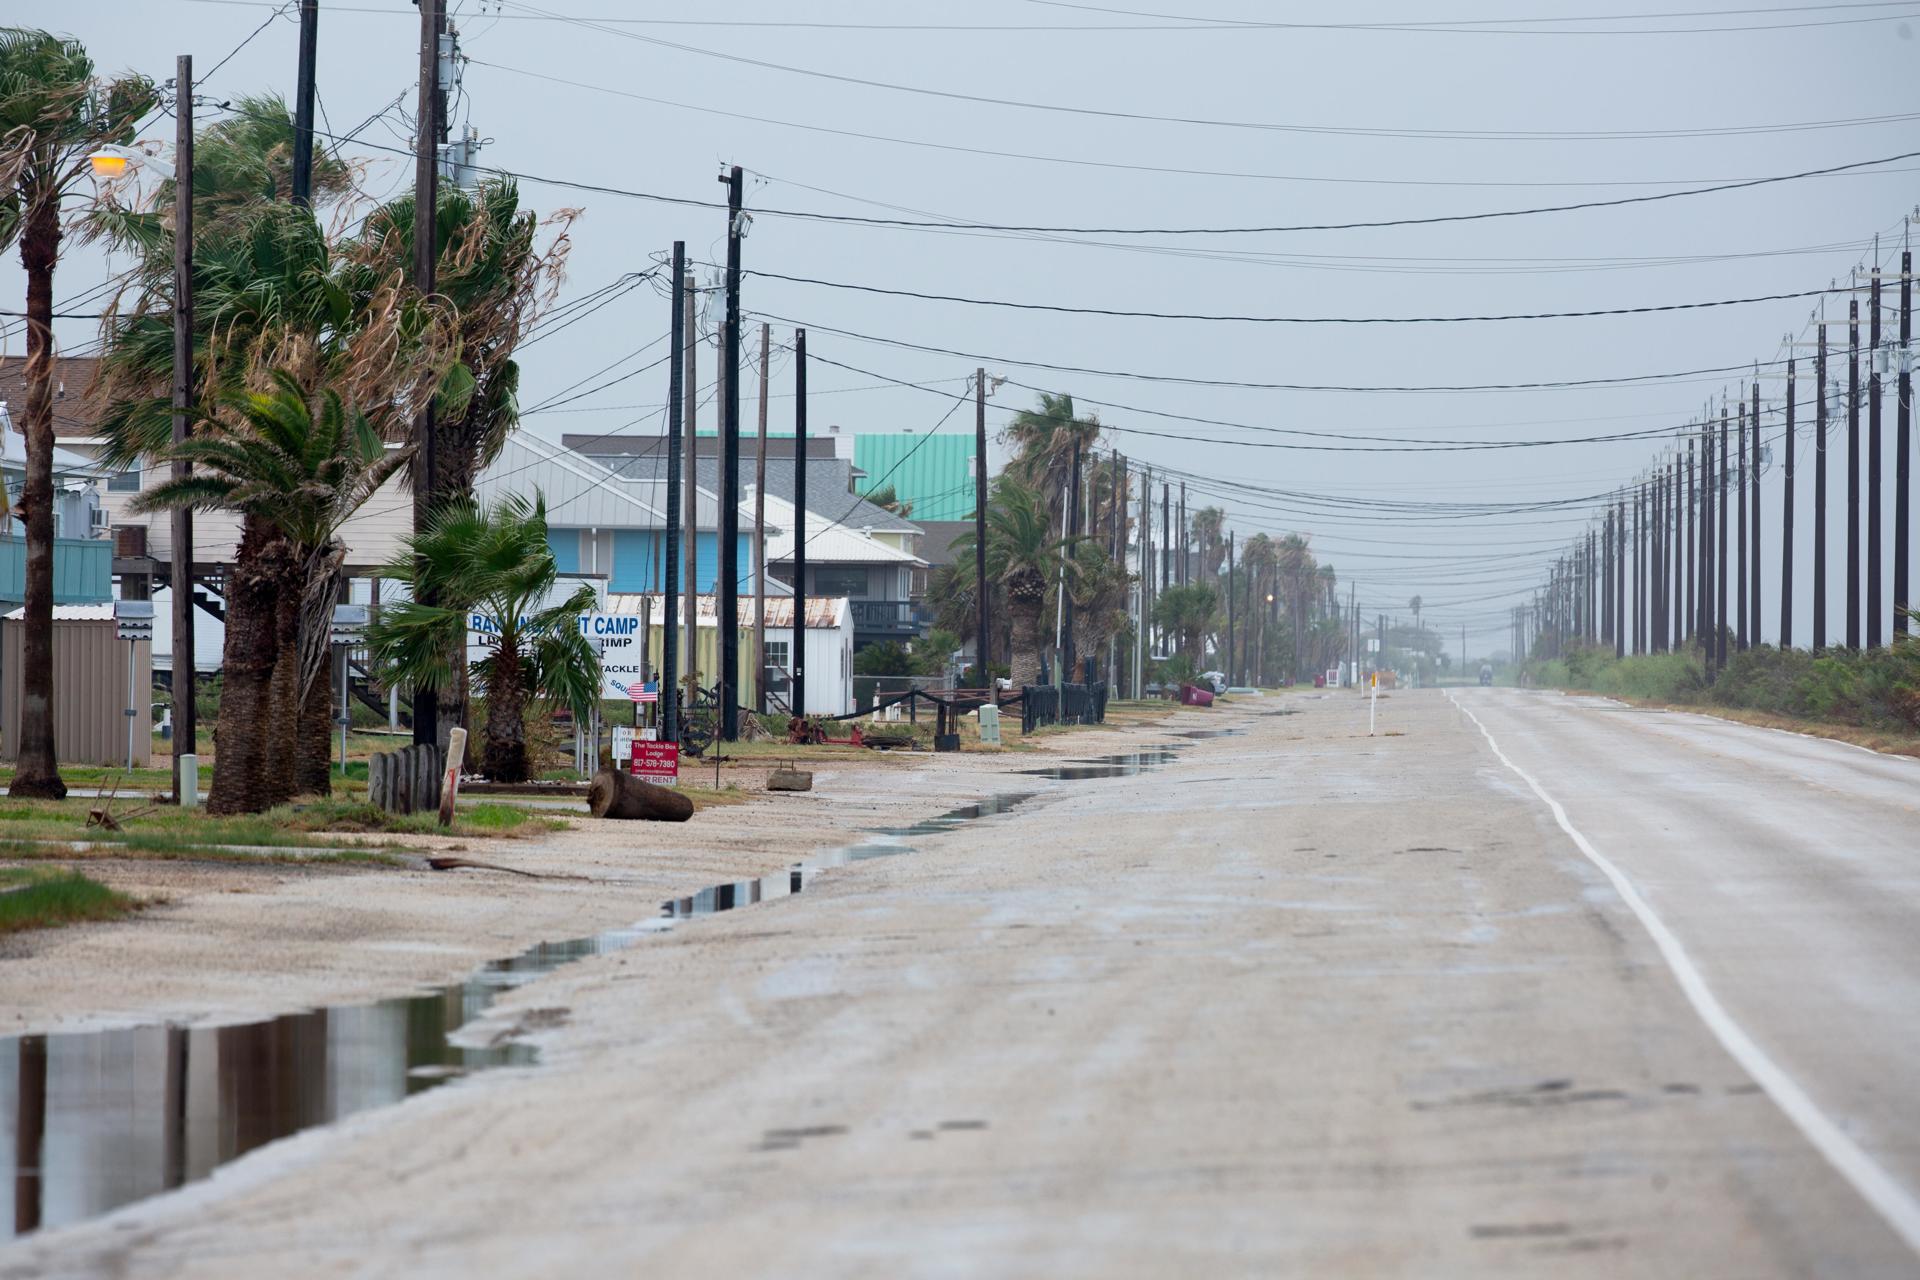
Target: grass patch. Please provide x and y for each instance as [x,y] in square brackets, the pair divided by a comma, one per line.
[300,826]
[48,851]
[45,900]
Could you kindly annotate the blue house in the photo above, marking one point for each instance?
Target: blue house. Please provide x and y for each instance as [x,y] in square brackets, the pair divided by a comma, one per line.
[601,524]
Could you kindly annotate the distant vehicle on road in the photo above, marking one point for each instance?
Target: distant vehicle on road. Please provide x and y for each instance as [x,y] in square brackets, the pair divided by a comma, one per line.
[1486,674]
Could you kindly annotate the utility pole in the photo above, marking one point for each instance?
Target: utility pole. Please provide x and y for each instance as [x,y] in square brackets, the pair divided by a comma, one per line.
[1657,577]
[1185,555]
[1740,526]
[426,198]
[1230,595]
[690,494]
[981,650]
[1146,585]
[760,532]
[180,579]
[1707,556]
[1719,511]
[797,655]
[1786,519]
[1820,485]
[1740,633]
[1903,453]
[1619,578]
[1166,535]
[1753,508]
[1853,473]
[677,392]
[1677,592]
[728,583]
[1693,552]
[1874,486]
[1069,653]
[303,103]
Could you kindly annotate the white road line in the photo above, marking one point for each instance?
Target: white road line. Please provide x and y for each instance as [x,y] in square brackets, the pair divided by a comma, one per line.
[1893,1201]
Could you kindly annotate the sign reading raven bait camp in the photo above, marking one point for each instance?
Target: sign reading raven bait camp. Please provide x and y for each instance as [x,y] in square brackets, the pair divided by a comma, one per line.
[623,651]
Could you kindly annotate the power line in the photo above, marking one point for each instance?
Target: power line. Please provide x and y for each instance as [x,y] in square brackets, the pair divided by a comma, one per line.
[1062,309]
[1111,113]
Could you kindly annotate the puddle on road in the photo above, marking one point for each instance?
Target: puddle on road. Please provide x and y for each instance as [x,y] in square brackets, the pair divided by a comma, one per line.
[1210,733]
[94,1120]
[1120,766]
[887,842]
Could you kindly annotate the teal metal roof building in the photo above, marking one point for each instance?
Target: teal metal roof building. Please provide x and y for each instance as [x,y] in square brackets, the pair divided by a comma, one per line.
[934,473]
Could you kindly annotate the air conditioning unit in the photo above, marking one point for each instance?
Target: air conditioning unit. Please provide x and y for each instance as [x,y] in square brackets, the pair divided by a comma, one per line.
[99,520]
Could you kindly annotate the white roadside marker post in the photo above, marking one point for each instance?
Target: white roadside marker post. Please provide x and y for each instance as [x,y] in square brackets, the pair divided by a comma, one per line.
[450,788]
[1373,700]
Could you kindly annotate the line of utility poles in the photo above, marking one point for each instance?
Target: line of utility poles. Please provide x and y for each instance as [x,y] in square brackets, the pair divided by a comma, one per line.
[1682,551]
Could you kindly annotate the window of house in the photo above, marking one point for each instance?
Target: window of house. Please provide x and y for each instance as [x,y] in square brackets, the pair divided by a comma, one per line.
[838,580]
[127,481]
[777,654]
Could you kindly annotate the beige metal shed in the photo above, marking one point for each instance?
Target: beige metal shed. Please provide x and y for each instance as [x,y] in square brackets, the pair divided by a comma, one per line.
[89,687]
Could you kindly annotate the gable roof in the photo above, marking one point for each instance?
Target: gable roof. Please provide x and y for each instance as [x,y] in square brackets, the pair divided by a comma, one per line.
[828,541]
[75,413]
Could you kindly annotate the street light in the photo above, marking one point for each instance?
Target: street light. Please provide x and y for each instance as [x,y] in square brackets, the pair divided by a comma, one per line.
[114,161]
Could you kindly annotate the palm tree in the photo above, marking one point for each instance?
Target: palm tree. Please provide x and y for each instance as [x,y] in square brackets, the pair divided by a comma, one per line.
[1414,604]
[889,499]
[53,114]
[1024,560]
[1044,441]
[498,278]
[1188,614]
[493,561]
[1208,525]
[295,471]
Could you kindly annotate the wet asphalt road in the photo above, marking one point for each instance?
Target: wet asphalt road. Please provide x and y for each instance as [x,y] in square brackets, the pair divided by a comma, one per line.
[1787,868]
[1296,1002]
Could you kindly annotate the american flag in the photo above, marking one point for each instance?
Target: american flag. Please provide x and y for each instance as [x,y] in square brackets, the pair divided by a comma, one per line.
[647,692]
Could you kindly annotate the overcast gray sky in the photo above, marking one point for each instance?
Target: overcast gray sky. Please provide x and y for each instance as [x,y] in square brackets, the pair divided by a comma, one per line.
[1530,95]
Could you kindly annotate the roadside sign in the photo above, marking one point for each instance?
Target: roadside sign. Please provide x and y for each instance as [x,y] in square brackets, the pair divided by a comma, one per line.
[657,762]
[623,652]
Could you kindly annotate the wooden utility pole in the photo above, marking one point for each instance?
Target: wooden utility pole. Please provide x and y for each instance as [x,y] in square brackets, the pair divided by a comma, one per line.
[677,394]
[1786,519]
[1741,636]
[180,579]
[727,586]
[1874,486]
[982,648]
[1820,485]
[426,195]
[1903,454]
[303,103]
[1753,514]
[797,647]
[760,531]
[691,491]
[1853,473]
[1720,545]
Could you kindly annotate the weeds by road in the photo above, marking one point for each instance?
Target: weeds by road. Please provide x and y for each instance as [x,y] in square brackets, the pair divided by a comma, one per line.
[36,899]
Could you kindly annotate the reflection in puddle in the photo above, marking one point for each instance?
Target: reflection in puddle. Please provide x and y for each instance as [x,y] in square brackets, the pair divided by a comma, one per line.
[93,1120]
[1213,733]
[1120,766]
[887,842]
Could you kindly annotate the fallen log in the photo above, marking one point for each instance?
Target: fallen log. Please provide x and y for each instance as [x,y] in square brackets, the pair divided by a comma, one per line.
[621,795]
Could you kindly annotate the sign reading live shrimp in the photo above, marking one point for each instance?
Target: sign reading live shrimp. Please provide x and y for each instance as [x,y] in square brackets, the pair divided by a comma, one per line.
[656,762]
[623,651]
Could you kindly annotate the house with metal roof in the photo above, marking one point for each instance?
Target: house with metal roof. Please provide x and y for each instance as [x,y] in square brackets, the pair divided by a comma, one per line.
[931,475]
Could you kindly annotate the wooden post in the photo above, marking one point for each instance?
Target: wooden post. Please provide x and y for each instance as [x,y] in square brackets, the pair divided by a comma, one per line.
[450,780]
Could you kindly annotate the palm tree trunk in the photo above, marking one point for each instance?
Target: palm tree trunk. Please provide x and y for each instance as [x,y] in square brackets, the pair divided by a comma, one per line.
[252,730]
[504,753]
[313,750]
[36,766]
